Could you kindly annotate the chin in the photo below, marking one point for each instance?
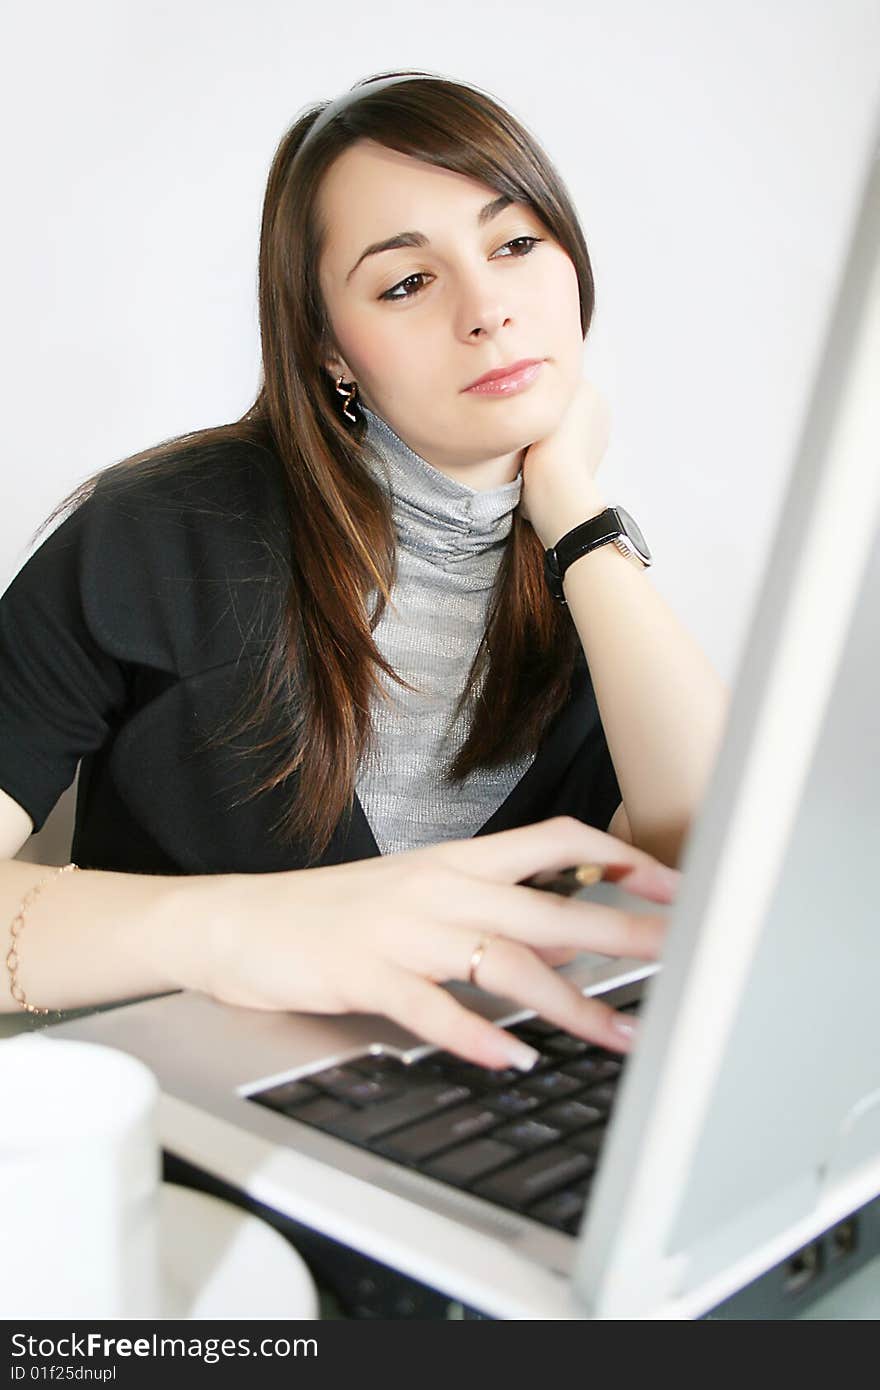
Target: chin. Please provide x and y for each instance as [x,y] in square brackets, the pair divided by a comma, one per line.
[530,426]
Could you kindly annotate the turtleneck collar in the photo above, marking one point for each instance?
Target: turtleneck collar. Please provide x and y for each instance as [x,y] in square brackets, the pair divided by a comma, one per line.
[435,515]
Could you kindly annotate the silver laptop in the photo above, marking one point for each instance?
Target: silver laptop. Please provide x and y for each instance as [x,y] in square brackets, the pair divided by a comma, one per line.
[740,1142]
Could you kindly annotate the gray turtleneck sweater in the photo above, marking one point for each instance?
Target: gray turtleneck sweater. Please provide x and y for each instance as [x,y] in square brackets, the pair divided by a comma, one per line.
[450,541]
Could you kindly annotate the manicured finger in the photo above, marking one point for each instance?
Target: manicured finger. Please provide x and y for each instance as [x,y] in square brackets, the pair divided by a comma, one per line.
[557,955]
[509,856]
[550,921]
[432,1013]
[513,971]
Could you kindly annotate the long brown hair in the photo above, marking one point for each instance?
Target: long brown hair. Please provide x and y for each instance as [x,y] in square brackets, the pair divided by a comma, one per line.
[321,667]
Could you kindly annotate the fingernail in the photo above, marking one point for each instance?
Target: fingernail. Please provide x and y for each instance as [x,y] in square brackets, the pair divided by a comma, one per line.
[627,1027]
[520,1055]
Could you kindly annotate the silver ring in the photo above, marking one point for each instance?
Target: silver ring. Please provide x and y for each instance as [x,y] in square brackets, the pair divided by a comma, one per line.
[477,956]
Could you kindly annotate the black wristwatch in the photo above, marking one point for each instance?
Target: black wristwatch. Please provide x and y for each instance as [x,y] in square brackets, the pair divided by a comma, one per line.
[611,525]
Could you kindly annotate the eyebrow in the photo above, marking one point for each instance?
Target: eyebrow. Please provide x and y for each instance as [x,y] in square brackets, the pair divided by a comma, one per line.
[485,215]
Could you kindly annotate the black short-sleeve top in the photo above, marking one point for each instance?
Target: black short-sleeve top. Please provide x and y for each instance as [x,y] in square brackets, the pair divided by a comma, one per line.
[136,629]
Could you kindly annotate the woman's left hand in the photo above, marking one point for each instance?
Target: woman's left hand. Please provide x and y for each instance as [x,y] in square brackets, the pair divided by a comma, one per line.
[559,488]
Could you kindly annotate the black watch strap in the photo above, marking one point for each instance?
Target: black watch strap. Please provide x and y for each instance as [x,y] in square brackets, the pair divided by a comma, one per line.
[603,529]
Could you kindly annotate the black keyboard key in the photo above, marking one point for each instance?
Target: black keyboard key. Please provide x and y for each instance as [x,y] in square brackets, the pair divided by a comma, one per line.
[533,1028]
[361,1126]
[563,1210]
[588,1141]
[528,1134]
[550,1085]
[533,1177]
[446,1066]
[322,1112]
[572,1114]
[593,1068]
[562,1045]
[331,1077]
[460,1073]
[427,1139]
[465,1164]
[545,1058]
[370,1089]
[493,1079]
[603,1095]
[347,1084]
[512,1102]
[381,1065]
[286,1096]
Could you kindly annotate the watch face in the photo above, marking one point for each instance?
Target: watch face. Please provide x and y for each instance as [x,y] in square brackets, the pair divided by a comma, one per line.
[633,532]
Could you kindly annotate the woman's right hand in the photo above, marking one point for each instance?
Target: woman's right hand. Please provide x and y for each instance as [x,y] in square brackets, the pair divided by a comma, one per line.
[380,935]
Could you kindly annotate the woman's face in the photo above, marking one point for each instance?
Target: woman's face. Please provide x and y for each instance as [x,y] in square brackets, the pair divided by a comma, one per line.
[473,304]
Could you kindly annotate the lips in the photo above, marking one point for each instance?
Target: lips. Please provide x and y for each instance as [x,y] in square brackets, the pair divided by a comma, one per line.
[499,373]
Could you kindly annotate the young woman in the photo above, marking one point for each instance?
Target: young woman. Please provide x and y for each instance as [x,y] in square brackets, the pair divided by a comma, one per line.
[327,711]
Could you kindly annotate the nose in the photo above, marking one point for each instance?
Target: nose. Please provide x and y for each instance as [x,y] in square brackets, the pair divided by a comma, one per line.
[482,316]
[482,306]
[489,322]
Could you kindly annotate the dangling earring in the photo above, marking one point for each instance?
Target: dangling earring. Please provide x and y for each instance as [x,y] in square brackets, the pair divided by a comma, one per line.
[349,391]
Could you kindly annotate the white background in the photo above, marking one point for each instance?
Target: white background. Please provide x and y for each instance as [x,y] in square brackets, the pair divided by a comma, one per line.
[714,151]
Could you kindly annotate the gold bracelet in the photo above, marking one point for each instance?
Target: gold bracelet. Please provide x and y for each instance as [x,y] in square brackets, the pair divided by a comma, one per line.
[12,961]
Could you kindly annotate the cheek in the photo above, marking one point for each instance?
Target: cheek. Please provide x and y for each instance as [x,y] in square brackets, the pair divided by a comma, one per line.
[564,297]
[382,359]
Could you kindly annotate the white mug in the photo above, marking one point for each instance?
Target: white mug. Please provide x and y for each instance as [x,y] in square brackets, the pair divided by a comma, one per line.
[80,1175]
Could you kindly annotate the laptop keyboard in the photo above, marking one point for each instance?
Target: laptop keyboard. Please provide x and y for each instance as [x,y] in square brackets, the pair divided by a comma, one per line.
[528,1141]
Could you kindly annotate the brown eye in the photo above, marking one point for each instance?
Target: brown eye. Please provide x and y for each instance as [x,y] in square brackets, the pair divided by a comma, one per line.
[389,294]
[394,298]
